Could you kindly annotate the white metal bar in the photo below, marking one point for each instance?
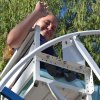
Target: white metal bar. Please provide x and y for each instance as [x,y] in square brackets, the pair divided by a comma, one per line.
[89,85]
[24,78]
[87,57]
[89,82]
[63,64]
[39,49]
[88,97]
[36,66]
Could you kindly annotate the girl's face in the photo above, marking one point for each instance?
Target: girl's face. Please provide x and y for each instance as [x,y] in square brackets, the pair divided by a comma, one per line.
[48,25]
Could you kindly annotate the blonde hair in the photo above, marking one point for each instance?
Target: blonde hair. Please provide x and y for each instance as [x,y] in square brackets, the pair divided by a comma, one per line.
[7,53]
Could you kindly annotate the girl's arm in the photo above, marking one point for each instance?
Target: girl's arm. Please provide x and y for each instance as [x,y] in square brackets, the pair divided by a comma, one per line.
[20,31]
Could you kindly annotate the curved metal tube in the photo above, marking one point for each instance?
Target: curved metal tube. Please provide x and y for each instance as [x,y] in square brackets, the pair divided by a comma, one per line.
[41,48]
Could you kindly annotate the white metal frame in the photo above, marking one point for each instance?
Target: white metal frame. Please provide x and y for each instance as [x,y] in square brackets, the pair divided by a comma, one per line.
[55,61]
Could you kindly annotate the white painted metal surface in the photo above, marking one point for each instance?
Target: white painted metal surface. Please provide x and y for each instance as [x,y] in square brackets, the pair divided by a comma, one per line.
[88,58]
[77,67]
[71,53]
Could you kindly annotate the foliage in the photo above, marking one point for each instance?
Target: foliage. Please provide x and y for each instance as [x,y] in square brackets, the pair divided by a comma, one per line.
[73,15]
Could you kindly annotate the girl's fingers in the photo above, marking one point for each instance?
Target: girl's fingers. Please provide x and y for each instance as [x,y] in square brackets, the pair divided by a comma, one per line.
[43,6]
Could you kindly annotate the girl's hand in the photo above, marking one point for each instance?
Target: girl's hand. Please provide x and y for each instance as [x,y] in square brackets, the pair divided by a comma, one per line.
[41,8]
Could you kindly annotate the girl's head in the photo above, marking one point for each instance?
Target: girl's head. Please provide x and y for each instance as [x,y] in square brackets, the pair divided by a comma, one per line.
[48,26]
